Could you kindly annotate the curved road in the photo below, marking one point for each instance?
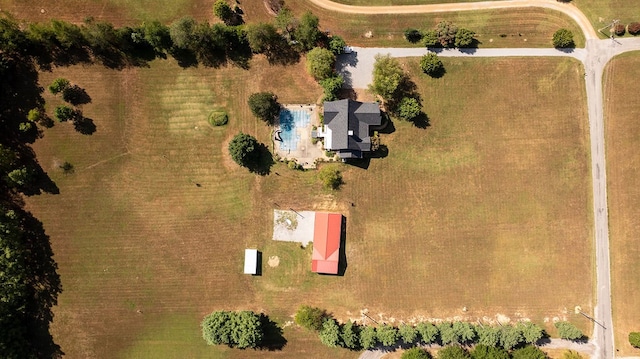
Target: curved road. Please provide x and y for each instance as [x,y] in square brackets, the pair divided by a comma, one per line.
[358,67]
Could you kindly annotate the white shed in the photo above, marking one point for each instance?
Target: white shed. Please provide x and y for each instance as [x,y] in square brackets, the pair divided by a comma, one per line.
[250,261]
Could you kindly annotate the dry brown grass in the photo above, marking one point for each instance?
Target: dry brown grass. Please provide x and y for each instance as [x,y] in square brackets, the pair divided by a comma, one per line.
[622,133]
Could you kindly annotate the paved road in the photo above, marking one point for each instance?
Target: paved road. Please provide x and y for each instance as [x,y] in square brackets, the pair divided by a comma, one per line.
[597,53]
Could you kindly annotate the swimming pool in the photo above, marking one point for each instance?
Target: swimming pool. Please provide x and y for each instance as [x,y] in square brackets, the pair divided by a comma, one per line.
[290,120]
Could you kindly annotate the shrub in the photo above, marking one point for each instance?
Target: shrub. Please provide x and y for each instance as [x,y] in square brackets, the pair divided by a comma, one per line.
[320,63]
[242,329]
[464,38]
[58,85]
[568,331]
[412,35]
[407,333]
[563,38]
[330,333]
[453,352]
[634,28]
[218,118]
[431,65]
[330,177]
[350,336]
[510,337]
[408,108]
[428,332]
[368,338]
[430,38]
[634,339]
[415,353]
[337,44]
[310,317]
[64,113]
[531,332]
[528,352]
[619,29]
[571,354]
[387,334]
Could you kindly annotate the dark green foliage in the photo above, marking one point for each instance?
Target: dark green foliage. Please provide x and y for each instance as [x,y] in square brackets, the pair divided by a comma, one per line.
[182,33]
[337,44]
[408,333]
[350,336]
[59,85]
[634,339]
[157,35]
[240,330]
[489,352]
[447,334]
[563,38]
[453,352]
[223,11]
[265,106]
[387,335]
[310,317]
[428,332]
[218,118]
[64,113]
[415,353]
[430,38]
[262,37]
[330,177]
[408,108]
[510,337]
[531,332]
[331,87]
[307,33]
[330,333]
[568,331]
[320,62]
[528,352]
[12,39]
[286,22]
[387,77]
[431,65]
[464,38]
[368,337]
[21,177]
[465,332]
[242,149]
[488,336]
[413,35]
[446,33]
[634,28]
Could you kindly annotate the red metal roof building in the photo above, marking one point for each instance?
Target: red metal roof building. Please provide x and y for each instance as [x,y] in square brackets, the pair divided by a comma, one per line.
[326,243]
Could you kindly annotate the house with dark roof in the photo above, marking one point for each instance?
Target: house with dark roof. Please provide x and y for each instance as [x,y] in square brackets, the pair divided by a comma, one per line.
[347,127]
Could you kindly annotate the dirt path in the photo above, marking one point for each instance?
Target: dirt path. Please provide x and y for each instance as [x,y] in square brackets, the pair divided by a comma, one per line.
[567,8]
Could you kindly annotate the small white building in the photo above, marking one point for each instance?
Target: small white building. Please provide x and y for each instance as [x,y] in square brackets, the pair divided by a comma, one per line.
[251,261]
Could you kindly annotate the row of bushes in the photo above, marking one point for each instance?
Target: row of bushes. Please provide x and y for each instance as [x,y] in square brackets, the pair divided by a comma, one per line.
[355,337]
[633,29]
[485,352]
[445,34]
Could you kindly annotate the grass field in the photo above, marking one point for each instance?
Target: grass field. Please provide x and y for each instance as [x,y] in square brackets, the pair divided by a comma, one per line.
[479,210]
[622,134]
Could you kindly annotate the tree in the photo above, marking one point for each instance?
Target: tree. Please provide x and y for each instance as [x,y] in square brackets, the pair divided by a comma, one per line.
[571,354]
[247,330]
[387,77]
[430,38]
[22,176]
[330,177]
[465,331]
[431,64]
[242,149]
[510,337]
[331,87]
[453,352]
[428,332]
[337,45]
[64,113]
[307,33]
[634,339]
[531,332]
[482,351]
[330,333]
[619,29]
[217,328]
[262,37]
[447,334]
[563,38]
[350,335]
[415,353]
[488,336]
[464,38]
[634,28]
[568,331]
[387,334]
[265,106]
[412,35]
[223,11]
[407,333]
[310,317]
[368,337]
[446,33]
[157,36]
[528,352]
[408,108]
[286,22]
[320,63]
[58,85]
[182,33]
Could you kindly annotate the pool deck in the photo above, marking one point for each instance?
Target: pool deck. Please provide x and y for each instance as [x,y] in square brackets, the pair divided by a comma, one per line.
[306,152]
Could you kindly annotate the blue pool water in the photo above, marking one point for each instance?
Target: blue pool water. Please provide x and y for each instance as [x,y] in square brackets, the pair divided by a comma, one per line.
[289,121]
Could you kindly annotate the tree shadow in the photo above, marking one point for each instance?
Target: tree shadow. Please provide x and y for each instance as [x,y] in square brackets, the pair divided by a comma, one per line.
[184,57]
[76,95]
[421,121]
[438,73]
[387,127]
[273,339]
[359,162]
[282,53]
[262,160]
[84,125]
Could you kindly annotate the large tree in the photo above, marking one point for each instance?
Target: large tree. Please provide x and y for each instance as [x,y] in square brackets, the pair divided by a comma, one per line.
[350,335]
[262,37]
[387,334]
[243,149]
[510,337]
[320,62]
[563,38]
[531,332]
[431,64]
[446,33]
[428,332]
[265,106]
[448,335]
[310,317]
[307,33]
[368,337]
[182,33]
[387,77]
[241,329]
[331,87]
[488,336]
[330,333]
[407,333]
